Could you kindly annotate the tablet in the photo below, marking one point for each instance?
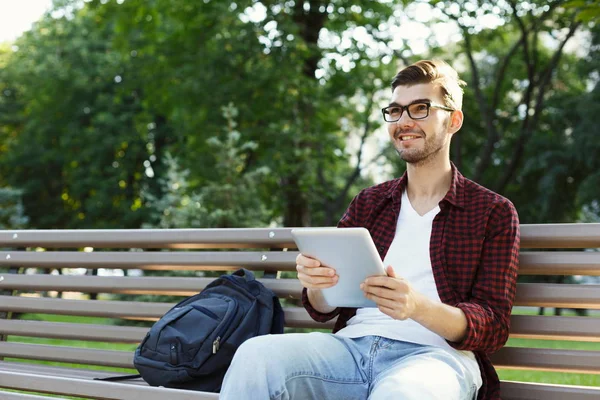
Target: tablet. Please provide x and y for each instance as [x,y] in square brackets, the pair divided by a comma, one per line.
[351,252]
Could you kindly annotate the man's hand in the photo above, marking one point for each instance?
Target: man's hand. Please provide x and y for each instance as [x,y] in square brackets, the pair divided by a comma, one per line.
[314,276]
[393,295]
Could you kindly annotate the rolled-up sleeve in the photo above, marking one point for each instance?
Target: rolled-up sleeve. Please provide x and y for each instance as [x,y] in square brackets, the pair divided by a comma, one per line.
[314,314]
[489,308]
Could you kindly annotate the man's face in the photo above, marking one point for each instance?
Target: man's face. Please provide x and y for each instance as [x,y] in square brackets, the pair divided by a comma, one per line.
[417,141]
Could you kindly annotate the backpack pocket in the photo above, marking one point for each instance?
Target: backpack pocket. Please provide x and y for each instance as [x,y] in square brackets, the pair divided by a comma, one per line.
[185,336]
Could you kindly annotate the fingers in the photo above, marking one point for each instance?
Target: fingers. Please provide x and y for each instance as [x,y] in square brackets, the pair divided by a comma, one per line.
[390,271]
[301,259]
[380,292]
[314,276]
[387,282]
[311,282]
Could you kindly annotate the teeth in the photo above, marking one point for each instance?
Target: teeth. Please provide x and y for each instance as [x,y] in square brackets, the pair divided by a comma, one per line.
[408,137]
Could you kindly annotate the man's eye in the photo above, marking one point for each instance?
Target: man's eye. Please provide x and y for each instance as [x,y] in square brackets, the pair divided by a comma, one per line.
[419,107]
[394,110]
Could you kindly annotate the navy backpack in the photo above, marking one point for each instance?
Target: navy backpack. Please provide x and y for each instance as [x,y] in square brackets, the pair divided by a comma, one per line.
[192,345]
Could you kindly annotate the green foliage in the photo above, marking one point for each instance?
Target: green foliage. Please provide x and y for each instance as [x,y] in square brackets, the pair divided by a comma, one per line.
[525,133]
[12,215]
[230,200]
[588,10]
[177,64]
[104,106]
[69,136]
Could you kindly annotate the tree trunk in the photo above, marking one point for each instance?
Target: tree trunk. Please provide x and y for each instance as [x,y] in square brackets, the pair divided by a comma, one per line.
[310,22]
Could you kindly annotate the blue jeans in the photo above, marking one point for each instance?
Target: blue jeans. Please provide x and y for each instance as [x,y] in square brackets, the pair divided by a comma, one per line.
[324,366]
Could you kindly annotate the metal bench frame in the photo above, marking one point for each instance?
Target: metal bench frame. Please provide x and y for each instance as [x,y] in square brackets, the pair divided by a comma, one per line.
[547,250]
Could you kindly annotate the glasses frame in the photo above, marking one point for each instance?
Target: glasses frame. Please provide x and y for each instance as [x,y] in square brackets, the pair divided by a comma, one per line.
[429,104]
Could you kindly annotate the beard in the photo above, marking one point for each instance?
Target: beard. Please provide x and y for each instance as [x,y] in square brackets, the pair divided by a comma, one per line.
[433,145]
[419,157]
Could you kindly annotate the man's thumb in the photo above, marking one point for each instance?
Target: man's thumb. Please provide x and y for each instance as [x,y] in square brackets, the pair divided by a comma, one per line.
[390,271]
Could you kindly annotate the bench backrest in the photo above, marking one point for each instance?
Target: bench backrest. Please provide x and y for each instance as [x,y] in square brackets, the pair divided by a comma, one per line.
[92,264]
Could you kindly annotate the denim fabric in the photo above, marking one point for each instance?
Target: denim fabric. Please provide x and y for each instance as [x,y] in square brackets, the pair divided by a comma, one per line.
[322,366]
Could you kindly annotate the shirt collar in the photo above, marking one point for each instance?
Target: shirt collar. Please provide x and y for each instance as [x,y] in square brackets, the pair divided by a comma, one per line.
[454,196]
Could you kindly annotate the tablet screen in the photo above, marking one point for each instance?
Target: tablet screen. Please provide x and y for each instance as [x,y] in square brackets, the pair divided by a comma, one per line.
[351,252]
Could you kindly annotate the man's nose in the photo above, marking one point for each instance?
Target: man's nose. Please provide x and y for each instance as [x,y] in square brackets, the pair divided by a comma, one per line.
[405,119]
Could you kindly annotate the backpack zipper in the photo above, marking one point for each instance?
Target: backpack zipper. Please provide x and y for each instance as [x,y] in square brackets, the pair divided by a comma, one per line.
[216,344]
[225,325]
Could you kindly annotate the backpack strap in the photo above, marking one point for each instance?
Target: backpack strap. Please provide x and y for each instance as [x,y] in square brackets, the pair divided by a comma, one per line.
[244,273]
[278,316]
[118,378]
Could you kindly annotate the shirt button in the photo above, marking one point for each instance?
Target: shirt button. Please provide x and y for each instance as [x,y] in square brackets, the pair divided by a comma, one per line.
[381,249]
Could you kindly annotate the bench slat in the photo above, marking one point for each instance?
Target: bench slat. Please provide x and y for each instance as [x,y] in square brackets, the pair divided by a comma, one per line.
[559,263]
[510,390]
[522,326]
[528,294]
[586,329]
[23,396]
[531,263]
[175,286]
[66,372]
[580,361]
[96,308]
[558,295]
[150,238]
[544,236]
[532,236]
[189,260]
[527,391]
[95,389]
[69,331]
[295,316]
[75,355]
[539,295]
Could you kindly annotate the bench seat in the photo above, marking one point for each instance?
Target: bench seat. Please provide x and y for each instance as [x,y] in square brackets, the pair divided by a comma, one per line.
[74,274]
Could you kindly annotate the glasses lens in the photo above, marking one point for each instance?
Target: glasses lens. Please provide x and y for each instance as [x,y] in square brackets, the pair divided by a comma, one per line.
[418,110]
[392,114]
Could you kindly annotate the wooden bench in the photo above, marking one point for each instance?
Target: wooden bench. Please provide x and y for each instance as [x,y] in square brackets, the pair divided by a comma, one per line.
[73,252]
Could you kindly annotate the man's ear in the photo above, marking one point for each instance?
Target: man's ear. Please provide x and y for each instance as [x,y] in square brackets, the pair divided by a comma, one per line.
[456,121]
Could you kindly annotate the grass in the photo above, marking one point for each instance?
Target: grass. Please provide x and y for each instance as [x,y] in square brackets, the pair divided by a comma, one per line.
[71,343]
[74,343]
[562,378]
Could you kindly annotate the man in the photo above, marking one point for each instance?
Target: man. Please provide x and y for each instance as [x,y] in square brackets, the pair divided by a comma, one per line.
[451,251]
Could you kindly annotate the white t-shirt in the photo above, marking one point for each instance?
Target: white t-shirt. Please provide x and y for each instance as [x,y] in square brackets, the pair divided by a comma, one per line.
[409,256]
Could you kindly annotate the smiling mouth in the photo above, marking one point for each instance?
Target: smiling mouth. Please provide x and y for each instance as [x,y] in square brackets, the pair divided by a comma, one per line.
[408,137]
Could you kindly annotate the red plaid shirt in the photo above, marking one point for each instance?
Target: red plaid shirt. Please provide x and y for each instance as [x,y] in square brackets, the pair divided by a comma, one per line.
[474,252]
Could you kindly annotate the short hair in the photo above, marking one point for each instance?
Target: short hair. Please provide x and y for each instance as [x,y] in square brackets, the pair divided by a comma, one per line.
[437,72]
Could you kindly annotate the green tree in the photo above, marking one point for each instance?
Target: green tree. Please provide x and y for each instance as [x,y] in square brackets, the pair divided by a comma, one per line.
[92,102]
[12,215]
[70,140]
[231,200]
[266,58]
[516,138]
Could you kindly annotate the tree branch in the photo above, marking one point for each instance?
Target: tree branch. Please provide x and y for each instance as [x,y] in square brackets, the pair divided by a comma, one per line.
[485,154]
[525,35]
[357,170]
[500,75]
[356,173]
[488,115]
[527,127]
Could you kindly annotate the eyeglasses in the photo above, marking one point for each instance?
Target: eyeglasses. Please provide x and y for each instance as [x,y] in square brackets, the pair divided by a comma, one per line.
[418,110]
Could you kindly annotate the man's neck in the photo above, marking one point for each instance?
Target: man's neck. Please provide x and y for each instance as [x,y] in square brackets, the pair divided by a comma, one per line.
[428,183]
